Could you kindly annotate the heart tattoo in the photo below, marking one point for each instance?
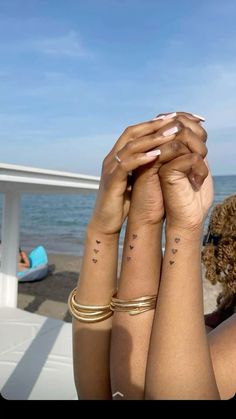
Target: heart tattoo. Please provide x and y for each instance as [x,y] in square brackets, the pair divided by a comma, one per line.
[98,242]
[94,260]
[174,251]
[177,240]
[128,258]
[131,247]
[95,250]
[135,236]
[171,262]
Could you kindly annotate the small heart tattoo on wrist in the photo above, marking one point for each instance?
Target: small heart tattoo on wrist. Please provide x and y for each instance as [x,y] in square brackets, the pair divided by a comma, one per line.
[134,236]
[131,247]
[95,250]
[98,242]
[174,251]
[177,240]
[94,260]
[171,262]
[128,258]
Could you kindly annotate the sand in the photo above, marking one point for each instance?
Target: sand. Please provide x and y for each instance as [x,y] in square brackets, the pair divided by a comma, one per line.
[48,297]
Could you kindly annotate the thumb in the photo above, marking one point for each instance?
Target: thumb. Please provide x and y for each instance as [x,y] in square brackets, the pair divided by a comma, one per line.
[189,165]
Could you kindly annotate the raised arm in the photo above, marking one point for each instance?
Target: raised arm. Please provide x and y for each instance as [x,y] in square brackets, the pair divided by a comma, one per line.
[179,363]
[142,257]
[97,282]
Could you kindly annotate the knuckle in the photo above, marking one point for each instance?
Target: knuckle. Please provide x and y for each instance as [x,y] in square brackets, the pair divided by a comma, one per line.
[187,131]
[175,145]
[129,147]
[180,123]
[129,130]
[196,157]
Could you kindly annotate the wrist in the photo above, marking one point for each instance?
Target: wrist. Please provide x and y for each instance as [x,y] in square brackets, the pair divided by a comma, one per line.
[94,231]
[187,234]
[144,225]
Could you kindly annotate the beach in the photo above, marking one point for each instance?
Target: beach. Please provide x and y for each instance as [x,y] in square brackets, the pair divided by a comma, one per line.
[48,297]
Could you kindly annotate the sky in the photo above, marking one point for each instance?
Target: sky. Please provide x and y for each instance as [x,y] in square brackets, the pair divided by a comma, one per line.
[74,74]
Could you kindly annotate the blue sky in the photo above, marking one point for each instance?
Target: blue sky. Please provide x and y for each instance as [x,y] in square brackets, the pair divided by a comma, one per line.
[74,74]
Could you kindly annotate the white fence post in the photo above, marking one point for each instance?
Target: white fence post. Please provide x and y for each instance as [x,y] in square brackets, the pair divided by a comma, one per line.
[10,245]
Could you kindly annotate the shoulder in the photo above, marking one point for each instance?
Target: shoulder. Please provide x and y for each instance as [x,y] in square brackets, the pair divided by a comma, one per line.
[222,343]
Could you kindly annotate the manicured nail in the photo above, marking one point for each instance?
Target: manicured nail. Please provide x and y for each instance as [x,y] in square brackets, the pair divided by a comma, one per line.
[199,117]
[170,131]
[165,117]
[153,153]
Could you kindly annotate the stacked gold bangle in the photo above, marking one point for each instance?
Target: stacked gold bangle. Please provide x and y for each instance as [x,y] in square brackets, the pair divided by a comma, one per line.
[134,306]
[88,313]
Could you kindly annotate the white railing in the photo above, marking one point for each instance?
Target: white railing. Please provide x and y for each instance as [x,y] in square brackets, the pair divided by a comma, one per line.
[17,180]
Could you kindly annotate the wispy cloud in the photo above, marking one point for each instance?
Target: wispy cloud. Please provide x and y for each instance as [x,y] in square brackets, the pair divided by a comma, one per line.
[67,45]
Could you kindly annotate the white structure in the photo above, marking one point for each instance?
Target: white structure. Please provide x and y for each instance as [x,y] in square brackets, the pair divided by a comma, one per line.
[14,181]
[35,351]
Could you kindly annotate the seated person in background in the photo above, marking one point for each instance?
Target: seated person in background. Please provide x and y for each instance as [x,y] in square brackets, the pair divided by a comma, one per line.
[219,259]
[23,260]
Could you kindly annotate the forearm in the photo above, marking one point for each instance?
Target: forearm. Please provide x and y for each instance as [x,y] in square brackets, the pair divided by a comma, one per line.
[179,363]
[140,271]
[91,342]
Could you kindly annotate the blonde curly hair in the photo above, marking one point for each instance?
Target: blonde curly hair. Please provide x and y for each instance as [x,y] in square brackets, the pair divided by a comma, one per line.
[219,257]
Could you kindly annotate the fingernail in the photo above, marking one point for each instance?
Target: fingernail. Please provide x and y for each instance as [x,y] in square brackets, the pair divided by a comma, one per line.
[152,153]
[165,117]
[170,131]
[199,117]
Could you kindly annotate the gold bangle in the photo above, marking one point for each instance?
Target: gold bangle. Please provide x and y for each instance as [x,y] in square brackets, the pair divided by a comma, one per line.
[134,306]
[88,313]
[86,307]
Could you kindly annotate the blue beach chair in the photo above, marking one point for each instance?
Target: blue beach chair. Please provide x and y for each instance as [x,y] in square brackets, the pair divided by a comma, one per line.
[38,266]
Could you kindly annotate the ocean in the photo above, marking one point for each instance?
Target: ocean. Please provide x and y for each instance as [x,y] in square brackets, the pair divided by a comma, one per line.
[58,222]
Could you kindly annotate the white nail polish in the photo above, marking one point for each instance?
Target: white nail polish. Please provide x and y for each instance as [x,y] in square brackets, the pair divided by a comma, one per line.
[199,117]
[153,153]
[165,117]
[170,132]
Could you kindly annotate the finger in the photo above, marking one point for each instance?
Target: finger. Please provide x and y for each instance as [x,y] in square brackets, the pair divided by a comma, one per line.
[189,115]
[191,164]
[145,128]
[130,163]
[184,135]
[192,140]
[194,126]
[149,142]
[171,150]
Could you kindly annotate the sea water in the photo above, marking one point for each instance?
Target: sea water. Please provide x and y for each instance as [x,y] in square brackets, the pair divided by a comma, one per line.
[58,222]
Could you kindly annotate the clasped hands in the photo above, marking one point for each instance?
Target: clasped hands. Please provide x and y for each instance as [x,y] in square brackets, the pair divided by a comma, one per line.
[170,176]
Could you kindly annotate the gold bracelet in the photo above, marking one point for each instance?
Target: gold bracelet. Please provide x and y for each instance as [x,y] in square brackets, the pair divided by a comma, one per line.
[134,306]
[88,313]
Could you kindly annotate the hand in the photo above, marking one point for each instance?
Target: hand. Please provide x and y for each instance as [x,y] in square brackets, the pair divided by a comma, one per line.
[186,205]
[113,199]
[147,200]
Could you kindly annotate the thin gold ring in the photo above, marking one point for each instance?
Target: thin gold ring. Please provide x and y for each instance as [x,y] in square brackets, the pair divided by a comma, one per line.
[117,158]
